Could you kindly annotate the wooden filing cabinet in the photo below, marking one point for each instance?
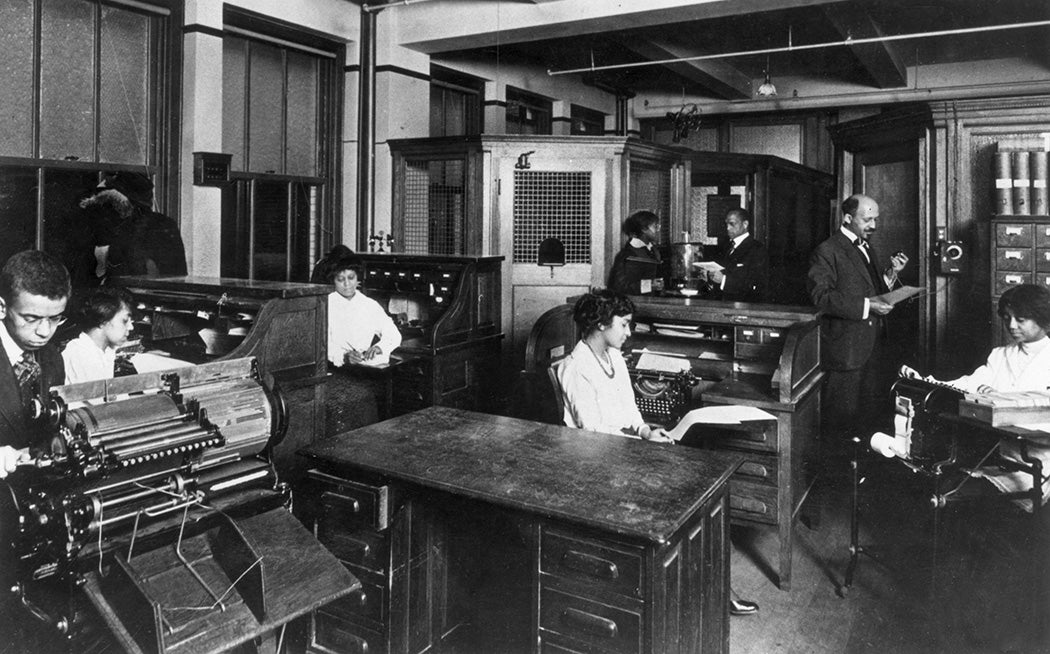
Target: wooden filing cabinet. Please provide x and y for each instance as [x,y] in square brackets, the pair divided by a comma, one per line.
[1020,255]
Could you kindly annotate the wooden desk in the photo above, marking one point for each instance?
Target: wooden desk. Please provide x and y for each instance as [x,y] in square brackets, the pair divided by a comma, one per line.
[626,541]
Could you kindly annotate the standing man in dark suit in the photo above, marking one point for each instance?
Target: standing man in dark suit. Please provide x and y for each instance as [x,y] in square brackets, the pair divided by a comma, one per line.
[844,280]
[746,274]
[34,288]
[636,266]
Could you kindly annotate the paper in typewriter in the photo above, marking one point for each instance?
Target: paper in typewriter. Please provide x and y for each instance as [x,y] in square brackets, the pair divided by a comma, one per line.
[718,415]
[661,362]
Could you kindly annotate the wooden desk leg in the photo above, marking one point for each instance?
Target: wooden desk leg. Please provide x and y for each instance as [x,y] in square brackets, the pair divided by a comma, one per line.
[787,533]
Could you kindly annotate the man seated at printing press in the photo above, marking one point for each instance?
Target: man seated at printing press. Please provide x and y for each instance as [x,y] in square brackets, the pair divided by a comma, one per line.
[596,387]
[1023,365]
[34,289]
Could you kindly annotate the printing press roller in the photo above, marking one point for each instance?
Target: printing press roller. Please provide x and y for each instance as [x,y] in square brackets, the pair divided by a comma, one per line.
[132,452]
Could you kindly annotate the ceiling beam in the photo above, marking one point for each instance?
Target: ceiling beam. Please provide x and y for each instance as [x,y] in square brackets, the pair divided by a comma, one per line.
[717,75]
[879,59]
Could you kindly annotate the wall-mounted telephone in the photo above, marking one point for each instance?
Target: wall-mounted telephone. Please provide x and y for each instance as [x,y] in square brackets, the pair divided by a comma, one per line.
[949,257]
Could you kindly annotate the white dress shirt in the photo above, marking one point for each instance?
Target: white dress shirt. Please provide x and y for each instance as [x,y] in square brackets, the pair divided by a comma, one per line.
[354,323]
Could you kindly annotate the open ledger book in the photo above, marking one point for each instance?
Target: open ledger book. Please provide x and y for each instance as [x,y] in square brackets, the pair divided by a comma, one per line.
[718,415]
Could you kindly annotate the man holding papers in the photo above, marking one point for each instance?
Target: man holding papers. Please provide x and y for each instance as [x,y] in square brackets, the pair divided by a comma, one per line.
[845,279]
[745,277]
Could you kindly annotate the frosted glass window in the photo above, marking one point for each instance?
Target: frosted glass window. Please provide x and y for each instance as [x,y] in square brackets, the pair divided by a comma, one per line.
[233,60]
[16,78]
[124,86]
[67,55]
[265,109]
[302,114]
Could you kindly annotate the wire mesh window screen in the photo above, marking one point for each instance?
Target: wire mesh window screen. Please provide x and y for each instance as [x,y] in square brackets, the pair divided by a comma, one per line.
[435,211]
[651,191]
[552,204]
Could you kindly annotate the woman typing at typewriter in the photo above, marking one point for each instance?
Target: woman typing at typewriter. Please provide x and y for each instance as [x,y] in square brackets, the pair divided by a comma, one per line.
[596,387]
[594,379]
[105,319]
[1023,365]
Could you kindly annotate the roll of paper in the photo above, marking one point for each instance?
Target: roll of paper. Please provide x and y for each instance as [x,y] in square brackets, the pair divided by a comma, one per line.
[1004,184]
[1022,183]
[887,445]
[1037,167]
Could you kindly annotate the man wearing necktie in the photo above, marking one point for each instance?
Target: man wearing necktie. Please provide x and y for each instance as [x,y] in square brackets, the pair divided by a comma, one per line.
[746,274]
[845,278]
[34,288]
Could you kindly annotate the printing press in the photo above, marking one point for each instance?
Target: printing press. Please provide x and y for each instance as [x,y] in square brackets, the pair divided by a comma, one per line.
[153,505]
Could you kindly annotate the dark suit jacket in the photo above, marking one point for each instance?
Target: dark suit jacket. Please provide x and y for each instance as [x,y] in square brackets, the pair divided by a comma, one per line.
[747,273]
[630,267]
[14,428]
[838,282]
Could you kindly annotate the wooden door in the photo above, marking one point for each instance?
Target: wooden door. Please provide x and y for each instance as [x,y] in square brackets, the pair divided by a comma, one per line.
[891,175]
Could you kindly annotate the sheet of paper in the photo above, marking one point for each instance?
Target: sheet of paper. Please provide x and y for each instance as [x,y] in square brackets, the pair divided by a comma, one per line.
[377,360]
[151,362]
[898,294]
[710,266]
[718,415]
[661,362]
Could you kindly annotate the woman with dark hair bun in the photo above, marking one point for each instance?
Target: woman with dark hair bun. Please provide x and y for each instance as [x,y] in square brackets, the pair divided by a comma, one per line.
[105,321]
[594,379]
[1023,365]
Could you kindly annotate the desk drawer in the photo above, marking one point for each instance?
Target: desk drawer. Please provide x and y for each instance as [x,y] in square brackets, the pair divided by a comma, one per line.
[758,469]
[597,625]
[349,503]
[763,439]
[603,567]
[368,602]
[330,635]
[750,501]
[361,547]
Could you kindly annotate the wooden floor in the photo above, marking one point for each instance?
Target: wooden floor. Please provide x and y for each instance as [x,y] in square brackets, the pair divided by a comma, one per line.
[976,587]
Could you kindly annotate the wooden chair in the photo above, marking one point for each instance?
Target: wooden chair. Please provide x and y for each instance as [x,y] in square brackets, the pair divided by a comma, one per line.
[553,371]
[551,339]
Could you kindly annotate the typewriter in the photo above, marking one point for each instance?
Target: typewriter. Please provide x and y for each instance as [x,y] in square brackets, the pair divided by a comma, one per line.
[153,509]
[917,404]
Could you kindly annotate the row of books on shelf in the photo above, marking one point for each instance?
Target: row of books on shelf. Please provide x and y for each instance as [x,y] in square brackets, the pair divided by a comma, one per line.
[1021,183]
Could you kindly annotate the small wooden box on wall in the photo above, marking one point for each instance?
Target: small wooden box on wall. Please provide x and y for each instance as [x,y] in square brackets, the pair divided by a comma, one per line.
[211,168]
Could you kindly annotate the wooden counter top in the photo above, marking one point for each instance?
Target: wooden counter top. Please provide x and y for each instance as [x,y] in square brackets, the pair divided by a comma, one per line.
[622,485]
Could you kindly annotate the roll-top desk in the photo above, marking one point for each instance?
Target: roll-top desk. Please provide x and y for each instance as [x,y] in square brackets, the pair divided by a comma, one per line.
[760,355]
[448,311]
[499,534]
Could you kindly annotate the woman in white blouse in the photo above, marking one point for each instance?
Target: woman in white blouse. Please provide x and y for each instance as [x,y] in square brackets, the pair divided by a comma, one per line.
[594,379]
[105,319]
[359,330]
[1023,365]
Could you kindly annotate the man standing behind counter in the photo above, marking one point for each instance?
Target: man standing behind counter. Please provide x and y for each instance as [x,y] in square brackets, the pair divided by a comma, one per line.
[746,274]
[844,281]
[34,288]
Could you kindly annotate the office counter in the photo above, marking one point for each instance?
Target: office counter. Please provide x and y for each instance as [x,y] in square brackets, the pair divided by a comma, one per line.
[621,545]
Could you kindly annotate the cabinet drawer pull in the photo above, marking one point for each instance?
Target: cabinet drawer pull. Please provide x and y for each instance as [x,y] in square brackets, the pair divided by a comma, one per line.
[592,624]
[362,549]
[1013,230]
[590,565]
[341,501]
[1013,279]
[1013,254]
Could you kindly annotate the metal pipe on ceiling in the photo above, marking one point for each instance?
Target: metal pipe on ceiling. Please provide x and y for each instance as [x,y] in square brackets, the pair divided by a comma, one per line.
[809,46]
[387,5]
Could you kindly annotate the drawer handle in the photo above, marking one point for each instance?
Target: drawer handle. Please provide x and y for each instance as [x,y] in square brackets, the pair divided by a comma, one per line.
[362,549]
[359,598]
[1014,230]
[336,500]
[590,623]
[1013,279]
[751,469]
[590,565]
[1013,254]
